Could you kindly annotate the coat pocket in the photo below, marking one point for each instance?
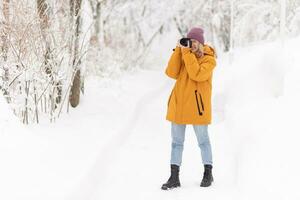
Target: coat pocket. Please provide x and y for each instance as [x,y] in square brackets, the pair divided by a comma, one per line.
[197,101]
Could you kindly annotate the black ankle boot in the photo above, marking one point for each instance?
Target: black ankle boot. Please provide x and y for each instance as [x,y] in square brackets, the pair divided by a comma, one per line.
[207,176]
[173,181]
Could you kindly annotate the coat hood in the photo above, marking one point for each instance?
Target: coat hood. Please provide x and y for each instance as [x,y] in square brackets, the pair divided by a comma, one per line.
[208,50]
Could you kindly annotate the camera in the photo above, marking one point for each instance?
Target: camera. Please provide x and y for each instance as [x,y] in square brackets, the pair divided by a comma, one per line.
[186,42]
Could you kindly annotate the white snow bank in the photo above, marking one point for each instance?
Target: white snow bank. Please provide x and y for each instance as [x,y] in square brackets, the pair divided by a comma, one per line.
[260,112]
[6,115]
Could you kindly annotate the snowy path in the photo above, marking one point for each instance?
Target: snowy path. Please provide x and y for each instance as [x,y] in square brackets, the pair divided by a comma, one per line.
[98,173]
[117,140]
[68,159]
[136,162]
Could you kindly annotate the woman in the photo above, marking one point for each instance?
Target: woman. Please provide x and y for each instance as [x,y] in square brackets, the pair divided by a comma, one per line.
[190,102]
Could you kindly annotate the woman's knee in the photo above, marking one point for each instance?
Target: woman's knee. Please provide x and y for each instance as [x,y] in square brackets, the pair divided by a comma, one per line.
[177,140]
[202,135]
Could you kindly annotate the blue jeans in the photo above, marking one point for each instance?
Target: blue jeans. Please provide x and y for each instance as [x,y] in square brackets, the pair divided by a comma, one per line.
[178,135]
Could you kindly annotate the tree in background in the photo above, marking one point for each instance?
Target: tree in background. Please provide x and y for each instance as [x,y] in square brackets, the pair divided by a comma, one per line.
[75,7]
[4,49]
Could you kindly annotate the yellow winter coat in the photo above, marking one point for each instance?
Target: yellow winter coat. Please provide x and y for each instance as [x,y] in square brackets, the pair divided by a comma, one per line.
[190,99]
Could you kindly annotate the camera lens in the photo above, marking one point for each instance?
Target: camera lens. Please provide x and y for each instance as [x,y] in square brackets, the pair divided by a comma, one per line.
[186,42]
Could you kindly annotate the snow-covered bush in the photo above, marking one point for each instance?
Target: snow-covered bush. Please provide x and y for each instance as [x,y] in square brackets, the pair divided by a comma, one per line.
[39,66]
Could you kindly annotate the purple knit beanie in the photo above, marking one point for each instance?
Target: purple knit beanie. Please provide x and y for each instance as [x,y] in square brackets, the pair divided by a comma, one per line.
[197,34]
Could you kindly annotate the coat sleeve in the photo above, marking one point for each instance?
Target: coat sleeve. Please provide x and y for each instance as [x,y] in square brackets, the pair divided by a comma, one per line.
[199,72]
[174,64]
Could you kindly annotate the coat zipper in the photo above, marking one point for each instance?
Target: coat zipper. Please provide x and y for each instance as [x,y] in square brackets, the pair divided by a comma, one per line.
[199,111]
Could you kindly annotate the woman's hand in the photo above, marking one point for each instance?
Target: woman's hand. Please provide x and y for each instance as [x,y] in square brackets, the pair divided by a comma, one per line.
[185,50]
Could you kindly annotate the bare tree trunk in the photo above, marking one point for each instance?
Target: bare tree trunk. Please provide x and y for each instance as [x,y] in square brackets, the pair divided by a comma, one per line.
[36,106]
[75,6]
[6,28]
[75,90]
[4,49]
[25,117]
[42,8]
[97,19]
[96,11]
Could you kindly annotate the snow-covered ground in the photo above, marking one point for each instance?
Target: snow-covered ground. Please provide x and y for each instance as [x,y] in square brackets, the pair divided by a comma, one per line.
[116,144]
